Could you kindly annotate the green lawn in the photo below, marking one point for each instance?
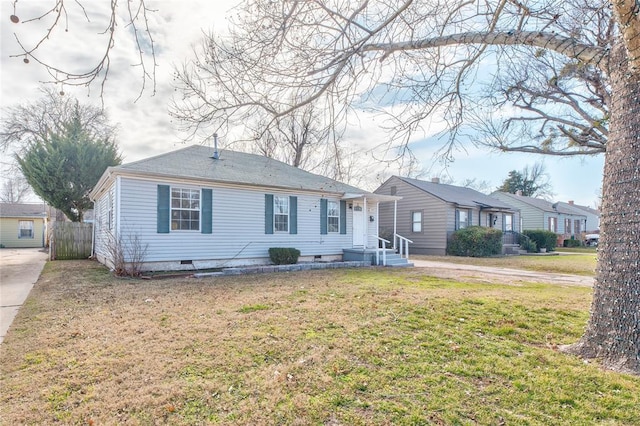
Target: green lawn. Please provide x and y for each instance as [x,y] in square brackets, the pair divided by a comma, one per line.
[356,347]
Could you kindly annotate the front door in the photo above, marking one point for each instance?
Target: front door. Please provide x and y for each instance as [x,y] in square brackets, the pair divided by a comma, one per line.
[358,224]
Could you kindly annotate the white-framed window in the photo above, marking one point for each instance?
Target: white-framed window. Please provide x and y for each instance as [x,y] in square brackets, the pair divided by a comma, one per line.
[333,216]
[553,224]
[416,221]
[25,229]
[185,209]
[280,214]
[508,222]
[577,226]
[463,218]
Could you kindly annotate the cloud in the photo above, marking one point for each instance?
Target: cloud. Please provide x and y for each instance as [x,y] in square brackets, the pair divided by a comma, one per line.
[177,26]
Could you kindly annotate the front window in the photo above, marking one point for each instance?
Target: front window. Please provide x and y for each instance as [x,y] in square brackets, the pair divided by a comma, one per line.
[416,221]
[281,214]
[333,216]
[553,224]
[578,228]
[185,209]
[463,219]
[25,229]
[508,222]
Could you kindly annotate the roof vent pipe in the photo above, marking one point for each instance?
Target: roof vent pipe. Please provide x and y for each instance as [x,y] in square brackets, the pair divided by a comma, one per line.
[216,155]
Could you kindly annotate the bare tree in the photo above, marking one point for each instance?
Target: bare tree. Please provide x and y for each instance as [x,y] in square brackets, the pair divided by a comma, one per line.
[15,190]
[61,13]
[414,59]
[546,103]
[50,113]
[300,139]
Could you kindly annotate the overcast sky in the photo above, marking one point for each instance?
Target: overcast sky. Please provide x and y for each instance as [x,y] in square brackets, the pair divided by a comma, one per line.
[145,128]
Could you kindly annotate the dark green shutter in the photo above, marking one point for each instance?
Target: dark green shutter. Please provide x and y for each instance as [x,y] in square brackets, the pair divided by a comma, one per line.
[268,213]
[293,215]
[207,207]
[164,198]
[343,217]
[323,216]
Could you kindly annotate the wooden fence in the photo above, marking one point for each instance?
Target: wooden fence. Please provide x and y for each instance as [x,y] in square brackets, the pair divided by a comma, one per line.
[70,240]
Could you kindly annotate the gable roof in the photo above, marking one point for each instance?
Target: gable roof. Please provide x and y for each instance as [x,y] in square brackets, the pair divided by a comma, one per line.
[580,209]
[196,162]
[23,210]
[541,204]
[458,194]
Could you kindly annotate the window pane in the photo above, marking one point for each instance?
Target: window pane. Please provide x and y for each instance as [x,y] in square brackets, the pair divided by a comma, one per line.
[281,223]
[185,209]
[25,229]
[333,224]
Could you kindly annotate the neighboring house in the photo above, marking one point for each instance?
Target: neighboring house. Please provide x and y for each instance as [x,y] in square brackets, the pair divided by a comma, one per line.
[537,213]
[193,208]
[592,225]
[429,212]
[23,225]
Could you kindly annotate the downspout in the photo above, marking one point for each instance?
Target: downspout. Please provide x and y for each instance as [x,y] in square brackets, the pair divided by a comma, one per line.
[395,222]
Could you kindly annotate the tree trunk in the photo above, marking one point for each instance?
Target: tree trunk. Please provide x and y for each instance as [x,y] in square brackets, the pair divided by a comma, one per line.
[613,332]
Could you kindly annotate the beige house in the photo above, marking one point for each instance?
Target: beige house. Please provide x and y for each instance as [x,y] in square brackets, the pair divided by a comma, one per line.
[23,225]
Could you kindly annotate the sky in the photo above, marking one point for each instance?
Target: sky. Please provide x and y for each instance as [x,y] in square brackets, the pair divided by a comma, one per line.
[145,127]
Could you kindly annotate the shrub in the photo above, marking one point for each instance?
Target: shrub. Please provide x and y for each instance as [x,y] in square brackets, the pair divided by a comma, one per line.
[284,255]
[475,241]
[543,239]
[572,243]
[529,245]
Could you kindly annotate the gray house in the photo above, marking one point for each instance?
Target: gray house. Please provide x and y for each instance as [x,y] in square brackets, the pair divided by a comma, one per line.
[537,213]
[429,212]
[192,208]
[592,224]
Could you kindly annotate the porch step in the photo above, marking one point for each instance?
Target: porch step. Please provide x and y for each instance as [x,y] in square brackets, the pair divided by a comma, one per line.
[394,260]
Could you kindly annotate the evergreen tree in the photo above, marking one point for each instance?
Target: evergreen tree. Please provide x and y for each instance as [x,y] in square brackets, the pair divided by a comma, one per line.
[63,167]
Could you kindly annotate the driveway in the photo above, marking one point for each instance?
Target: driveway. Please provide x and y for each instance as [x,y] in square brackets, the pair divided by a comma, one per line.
[506,275]
[19,270]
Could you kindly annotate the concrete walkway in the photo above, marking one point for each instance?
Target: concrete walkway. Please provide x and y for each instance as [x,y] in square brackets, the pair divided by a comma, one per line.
[19,270]
[532,276]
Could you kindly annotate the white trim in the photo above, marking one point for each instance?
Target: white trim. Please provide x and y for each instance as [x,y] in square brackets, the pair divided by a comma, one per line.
[116,208]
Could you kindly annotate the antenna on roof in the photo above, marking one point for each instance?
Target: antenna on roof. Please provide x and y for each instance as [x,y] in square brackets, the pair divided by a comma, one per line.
[216,155]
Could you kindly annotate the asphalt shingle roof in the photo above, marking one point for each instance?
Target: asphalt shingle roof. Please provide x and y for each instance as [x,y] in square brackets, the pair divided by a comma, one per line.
[541,204]
[22,210]
[196,162]
[458,194]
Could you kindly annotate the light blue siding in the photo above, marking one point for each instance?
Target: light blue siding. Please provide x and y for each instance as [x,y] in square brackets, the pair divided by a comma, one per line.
[238,229]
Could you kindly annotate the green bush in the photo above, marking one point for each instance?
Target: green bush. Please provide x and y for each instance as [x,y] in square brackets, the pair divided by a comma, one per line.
[572,243]
[284,255]
[543,239]
[529,245]
[475,241]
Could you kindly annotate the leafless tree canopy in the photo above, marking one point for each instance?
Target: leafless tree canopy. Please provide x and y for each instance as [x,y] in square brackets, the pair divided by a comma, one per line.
[409,59]
[36,119]
[49,21]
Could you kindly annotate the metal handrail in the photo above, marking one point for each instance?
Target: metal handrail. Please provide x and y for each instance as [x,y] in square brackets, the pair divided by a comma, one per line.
[403,245]
[384,251]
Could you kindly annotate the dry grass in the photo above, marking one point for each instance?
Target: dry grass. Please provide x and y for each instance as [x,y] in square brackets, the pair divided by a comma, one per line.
[576,264]
[324,347]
